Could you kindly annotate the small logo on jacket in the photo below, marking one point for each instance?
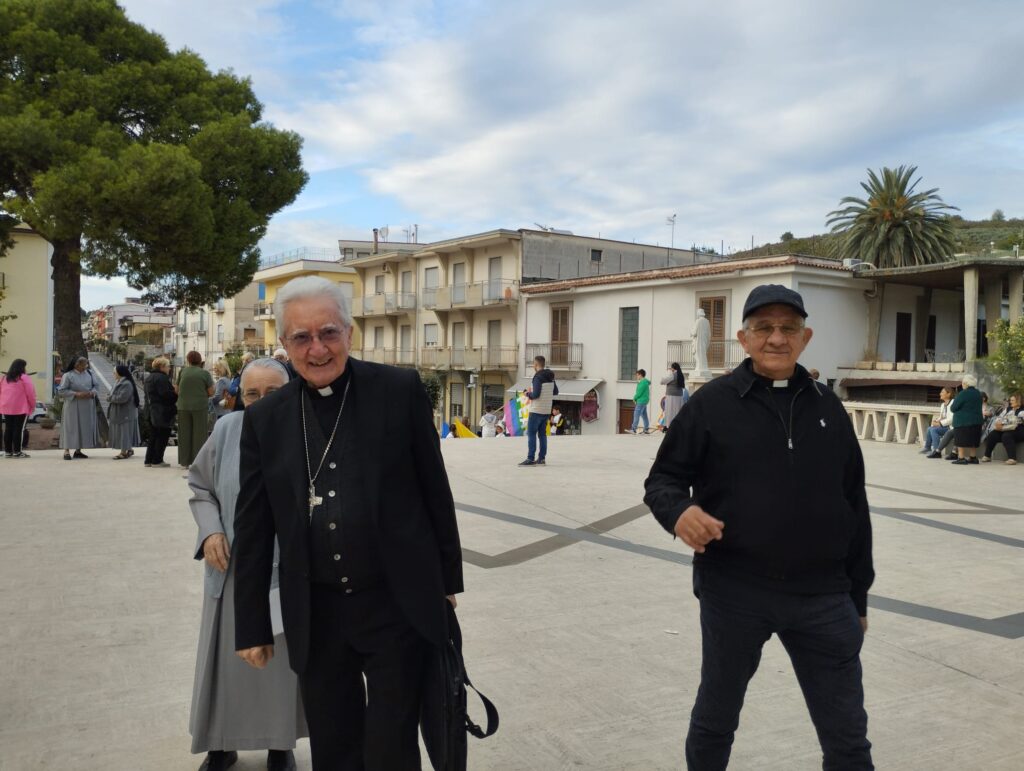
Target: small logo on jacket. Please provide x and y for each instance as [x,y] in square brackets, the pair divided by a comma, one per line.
[823,422]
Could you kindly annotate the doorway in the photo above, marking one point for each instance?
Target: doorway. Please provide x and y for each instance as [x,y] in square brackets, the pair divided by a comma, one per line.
[904,325]
[714,310]
[560,336]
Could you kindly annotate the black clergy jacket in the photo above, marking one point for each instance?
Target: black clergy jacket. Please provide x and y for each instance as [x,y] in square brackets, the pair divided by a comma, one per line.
[405,489]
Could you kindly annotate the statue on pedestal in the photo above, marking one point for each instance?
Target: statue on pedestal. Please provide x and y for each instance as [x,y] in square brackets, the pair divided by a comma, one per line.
[701,341]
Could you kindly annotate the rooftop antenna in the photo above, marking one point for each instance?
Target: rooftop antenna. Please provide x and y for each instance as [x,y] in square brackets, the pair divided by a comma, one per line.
[384,232]
[672,221]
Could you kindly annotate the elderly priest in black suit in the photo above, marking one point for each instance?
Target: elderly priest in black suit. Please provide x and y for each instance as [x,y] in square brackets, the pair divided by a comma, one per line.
[343,465]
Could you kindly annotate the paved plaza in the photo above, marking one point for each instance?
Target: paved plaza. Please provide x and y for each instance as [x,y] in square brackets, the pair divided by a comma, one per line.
[578,616]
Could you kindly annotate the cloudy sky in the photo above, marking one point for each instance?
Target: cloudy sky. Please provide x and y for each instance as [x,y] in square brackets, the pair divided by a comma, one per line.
[742,118]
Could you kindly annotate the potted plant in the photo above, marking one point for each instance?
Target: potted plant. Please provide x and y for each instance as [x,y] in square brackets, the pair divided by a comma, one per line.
[55,410]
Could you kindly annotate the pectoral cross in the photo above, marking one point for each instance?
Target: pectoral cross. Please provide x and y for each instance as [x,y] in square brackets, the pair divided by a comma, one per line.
[314,500]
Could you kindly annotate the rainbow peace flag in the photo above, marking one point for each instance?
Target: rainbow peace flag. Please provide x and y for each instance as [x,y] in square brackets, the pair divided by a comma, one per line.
[517,413]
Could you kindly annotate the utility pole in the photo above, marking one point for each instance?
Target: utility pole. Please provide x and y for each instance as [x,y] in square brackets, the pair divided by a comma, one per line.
[672,221]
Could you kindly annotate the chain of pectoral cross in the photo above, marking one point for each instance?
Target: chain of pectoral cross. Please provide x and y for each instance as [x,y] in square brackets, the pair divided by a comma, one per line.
[314,499]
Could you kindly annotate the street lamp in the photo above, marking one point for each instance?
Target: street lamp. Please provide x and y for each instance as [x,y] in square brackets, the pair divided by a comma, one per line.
[672,221]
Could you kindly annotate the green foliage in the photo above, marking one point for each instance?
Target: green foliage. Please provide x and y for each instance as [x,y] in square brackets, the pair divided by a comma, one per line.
[786,237]
[895,226]
[133,160]
[233,356]
[998,216]
[432,383]
[1007,363]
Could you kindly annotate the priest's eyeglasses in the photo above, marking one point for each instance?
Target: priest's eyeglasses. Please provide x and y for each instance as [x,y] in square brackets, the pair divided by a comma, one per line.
[327,336]
[764,331]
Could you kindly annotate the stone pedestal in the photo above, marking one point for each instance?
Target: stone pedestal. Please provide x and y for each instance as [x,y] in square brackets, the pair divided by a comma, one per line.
[695,380]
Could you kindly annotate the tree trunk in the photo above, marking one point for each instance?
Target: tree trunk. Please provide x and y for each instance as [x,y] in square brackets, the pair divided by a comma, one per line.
[67,309]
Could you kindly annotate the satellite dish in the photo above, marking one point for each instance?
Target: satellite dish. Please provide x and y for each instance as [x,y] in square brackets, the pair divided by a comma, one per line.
[384,233]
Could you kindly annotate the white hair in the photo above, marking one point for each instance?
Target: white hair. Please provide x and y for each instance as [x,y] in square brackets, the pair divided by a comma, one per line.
[969,380]
[271,364]
[310,286]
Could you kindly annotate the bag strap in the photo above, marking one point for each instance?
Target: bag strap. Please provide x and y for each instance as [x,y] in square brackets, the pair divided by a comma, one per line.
[489,708]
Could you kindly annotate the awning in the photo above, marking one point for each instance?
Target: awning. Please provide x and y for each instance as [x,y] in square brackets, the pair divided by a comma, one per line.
[568,390]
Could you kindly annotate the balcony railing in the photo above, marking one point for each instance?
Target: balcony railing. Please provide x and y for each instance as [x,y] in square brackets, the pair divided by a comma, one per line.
[479,295]
[406,357]
[380,355]
[263,310]
[722,354]
[428,297]
[479,358]
[557,355]
[384,303]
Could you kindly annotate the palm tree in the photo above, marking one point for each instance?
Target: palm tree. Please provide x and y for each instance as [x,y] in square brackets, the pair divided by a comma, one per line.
[896,226]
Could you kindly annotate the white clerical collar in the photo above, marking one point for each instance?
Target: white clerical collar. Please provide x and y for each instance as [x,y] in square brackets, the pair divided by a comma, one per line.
[325,391]
[780,384]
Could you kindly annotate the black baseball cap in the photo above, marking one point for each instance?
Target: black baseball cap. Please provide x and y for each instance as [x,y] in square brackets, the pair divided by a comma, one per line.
[773,294]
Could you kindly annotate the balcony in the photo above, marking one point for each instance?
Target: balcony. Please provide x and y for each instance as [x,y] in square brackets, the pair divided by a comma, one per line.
[481,358]
[722,354]
[380,355]
[567,356]
[384,304]
[263,311]
[484,294]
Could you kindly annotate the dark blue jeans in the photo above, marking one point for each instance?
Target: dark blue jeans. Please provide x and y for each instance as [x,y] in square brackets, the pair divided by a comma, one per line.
[823,637]
[536,427]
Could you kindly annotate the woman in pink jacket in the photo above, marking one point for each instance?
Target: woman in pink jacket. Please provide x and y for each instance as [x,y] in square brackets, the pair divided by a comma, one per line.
[17,403]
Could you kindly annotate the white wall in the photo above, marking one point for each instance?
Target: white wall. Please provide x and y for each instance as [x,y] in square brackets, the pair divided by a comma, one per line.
[667,310]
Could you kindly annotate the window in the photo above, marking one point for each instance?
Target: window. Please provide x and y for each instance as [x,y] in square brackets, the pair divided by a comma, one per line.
[220,333]
[261,291]
[458,392]
[595,255]
[378,284]
[714,310]
[629,342]
[360,255]
[430,334]
[348,253]
[378,337]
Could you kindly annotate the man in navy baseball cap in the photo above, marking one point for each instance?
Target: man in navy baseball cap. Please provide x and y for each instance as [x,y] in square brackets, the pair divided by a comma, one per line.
[773,294]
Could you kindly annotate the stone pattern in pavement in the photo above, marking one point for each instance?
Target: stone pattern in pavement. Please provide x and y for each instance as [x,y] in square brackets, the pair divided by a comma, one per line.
[586,638]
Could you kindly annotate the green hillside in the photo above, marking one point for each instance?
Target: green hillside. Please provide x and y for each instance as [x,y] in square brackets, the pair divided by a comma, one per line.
[973,237]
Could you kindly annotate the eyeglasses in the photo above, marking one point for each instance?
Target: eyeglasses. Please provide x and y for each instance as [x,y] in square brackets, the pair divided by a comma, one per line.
[328,336]
[764,331]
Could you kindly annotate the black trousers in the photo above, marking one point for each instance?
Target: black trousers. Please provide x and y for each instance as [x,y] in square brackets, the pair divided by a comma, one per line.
[1009,440]
[352,726]
[823,637]
[14,427]
[158,439]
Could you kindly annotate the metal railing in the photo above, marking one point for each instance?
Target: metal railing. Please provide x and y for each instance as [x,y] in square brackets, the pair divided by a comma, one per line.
[722,354]
[557,355]
[263,310]
[499,357]
[313,254]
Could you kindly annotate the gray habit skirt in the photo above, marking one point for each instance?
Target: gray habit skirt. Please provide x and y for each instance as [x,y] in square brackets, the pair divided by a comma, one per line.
[234,706]
[672,406]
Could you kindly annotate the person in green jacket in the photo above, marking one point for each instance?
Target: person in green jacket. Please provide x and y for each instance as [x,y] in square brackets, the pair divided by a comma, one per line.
[641,398]
[194,389]
[968,419]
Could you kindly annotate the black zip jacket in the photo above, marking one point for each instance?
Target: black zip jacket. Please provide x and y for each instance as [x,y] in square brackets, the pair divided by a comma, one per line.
[787,482]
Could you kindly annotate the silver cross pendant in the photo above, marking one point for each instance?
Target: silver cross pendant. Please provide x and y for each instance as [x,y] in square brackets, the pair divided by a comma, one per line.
[314,500]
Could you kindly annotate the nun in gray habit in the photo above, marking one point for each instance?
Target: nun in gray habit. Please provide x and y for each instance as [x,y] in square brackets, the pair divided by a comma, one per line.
[236,707]
[78,419]
[123,414]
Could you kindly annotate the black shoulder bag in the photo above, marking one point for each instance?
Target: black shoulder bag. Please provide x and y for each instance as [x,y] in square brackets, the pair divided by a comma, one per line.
[444,717]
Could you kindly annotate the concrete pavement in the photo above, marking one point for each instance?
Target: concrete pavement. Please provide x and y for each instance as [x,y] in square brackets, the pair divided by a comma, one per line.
[578,618]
